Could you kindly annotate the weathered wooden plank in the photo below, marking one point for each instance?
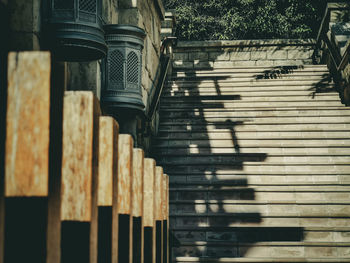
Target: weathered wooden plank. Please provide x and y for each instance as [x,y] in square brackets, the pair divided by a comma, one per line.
[79,176]
[28,123]
[137,205]
[79,160]
[165,219]
[167,224]
[158,213]
[3,106]
[164,197]
[158,193]
[107,159]
[148,210]
[125,173]
[125,149]
[58,86]
[107,176]
[137,182]
[148,192]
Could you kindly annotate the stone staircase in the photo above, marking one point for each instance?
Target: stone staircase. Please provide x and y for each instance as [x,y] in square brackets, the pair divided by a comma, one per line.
[259,164]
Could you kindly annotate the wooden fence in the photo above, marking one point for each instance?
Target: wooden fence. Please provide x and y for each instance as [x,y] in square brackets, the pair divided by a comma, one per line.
[74,189]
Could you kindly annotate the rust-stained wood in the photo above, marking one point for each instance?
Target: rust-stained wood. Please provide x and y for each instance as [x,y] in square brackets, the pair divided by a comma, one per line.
[137,182]
[79,157]
[168,223]
[125,148]
[158,193]
[28,124]
[115,215]
[164,197]
[125,173]
[148,211]
[108,149]
[137,205]
[158,213]
[165,218]
[148,192]
[58,85]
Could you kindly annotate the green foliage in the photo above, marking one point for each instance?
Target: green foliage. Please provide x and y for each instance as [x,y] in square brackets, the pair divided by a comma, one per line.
[246,19]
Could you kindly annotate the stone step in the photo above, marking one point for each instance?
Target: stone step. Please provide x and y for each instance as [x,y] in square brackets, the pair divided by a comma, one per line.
[257,220]
[212,170]
[253,159]
[257,69]
[251,104]
[247,127]
[224,102]
[260,179]
[259,194]
[214,115]
[265,72]
[249,85]
[262,234]
[260,260]
[300,80]
[222,93]
[271,142]
[231,121]
[206,151]
[270,75]
[258,109]
[269,250]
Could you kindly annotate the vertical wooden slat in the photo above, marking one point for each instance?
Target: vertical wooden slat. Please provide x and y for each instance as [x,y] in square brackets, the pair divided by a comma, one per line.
[148,210]
[27,156]
[107,160]
[107,178]
[125,163]
[158,213]
[167,215]
[3,105]
[58,85]
[165,218]
[28,124]
[137,204]
[79,176]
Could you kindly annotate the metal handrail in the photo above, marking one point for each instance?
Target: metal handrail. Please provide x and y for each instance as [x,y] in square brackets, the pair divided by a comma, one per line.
[338,60]
[157,88]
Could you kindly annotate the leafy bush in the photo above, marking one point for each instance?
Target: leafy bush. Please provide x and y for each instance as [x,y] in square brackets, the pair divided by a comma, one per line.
[246,19]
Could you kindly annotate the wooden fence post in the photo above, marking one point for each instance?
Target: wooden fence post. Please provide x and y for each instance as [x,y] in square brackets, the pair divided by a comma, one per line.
[107,183]
[27,156]
[148,210]
[58,86]
[137,205]
[165,218]
[79,177]
[3,106]
[125,163]
[158,213]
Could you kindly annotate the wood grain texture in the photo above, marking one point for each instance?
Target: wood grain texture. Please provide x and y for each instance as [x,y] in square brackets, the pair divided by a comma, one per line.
[79,156]
[125,149]
[167,197]
[137,182]
[107,168]
[158,194]
[58,86]
[148,192]
[164,197]
[28,124]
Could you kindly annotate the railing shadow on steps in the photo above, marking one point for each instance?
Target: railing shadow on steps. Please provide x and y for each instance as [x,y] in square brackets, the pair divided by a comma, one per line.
[326,51]
[224,170]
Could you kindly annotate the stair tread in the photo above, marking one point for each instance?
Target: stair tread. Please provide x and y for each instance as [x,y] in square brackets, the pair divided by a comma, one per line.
[261,260]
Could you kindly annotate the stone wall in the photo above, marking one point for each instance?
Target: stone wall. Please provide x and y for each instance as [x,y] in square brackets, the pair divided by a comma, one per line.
[217,54]
[147,14]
